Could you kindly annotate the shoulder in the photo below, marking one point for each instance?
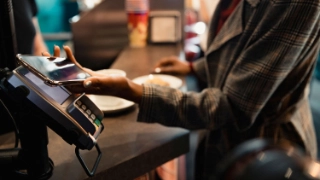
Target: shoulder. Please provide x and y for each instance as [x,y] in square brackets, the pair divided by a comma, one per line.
[25,7]
[34,7]
[292,12]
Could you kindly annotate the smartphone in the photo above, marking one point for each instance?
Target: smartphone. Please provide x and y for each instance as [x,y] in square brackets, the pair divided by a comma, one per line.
[54,71]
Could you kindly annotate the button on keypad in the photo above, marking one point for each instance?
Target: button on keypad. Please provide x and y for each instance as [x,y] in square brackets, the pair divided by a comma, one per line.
[88,113]
[84,107]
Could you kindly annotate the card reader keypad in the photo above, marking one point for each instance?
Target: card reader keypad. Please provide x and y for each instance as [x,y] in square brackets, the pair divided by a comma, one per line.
[88,113]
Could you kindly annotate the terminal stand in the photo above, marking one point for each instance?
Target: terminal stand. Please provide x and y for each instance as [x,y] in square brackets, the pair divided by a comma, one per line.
[30,160]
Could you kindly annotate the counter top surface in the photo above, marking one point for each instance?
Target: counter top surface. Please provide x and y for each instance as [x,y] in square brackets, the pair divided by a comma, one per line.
[141,61]
[129,149]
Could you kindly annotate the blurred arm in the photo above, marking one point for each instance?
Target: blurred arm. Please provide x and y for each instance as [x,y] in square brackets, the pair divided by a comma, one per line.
[38,46]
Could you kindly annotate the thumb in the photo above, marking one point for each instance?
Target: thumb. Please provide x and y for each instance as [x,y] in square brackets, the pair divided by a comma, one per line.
[93,82]
[88,83]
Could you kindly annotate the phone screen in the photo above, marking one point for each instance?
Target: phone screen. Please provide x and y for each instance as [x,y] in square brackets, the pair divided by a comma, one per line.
[56,69]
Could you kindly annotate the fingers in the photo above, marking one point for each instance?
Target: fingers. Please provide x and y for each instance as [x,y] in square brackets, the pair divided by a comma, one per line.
[70,56]
[94,85]
[104,82]
[164,61]
[157,70]
[56,51]
[161,64]
[90,71]
[166,69]
[86,86]
[166,65]
[73,59]
[167,61]
[95,82]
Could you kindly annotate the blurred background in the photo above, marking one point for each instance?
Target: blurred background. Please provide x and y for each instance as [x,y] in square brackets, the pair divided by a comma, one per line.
[53,17]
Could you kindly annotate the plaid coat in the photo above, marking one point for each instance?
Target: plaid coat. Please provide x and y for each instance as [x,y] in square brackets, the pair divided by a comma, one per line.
[258,69]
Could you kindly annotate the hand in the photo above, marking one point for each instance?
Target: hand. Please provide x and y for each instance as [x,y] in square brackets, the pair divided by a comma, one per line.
[110,85]
[102,84]
[56,53]
[172,65]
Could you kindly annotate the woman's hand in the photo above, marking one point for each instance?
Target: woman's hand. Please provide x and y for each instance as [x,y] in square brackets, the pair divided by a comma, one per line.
[102,84]
[172,65]
[110,85]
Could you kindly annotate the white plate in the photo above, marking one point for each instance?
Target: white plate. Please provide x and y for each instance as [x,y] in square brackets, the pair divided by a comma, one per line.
[110,104]
[173,81]
[112,72]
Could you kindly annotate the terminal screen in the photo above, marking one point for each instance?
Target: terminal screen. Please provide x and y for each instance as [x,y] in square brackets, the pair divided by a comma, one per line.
[56,93]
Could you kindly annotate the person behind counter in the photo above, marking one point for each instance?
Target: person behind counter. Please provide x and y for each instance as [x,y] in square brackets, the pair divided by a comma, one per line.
[29,37]
[257,67]
[29,41]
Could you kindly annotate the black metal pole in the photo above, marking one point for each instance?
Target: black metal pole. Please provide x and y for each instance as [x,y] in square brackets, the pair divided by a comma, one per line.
[8,42]
[34,151]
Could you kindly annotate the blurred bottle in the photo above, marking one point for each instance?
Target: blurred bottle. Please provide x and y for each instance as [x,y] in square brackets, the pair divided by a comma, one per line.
[191,48]
[138,16]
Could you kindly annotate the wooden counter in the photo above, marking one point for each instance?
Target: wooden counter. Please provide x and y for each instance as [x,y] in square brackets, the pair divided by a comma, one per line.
[140,61]
[129,149]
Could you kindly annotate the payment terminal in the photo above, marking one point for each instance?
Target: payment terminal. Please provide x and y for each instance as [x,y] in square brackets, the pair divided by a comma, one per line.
[72,116]
[77,116]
